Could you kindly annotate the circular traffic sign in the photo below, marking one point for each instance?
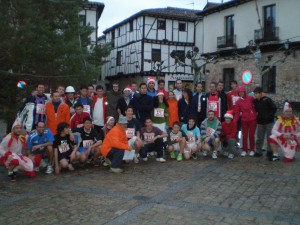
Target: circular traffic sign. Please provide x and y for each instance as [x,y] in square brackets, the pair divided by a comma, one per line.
[247,77]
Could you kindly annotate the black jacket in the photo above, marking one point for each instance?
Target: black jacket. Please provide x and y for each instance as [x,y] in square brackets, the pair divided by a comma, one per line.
[142,105]
[266,110]
[202,114]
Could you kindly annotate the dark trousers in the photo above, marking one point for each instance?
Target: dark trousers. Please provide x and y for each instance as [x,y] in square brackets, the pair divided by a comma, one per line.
[98,128]
[156,146]
[116,157]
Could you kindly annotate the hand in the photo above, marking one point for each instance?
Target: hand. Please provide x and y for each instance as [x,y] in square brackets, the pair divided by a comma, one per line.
[36,147]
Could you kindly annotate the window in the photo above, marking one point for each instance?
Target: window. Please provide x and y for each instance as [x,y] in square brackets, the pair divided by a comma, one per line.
[113,39]
[182,26]
[269,79]
[229,29]
[82,19]
[131,26]
[119,58]
[119,32]
[161,24]
[228,76]
[269,21]
[156,55]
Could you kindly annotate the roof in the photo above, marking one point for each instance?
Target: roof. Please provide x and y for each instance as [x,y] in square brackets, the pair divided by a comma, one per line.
[211,8]
[98,5]
[167,13]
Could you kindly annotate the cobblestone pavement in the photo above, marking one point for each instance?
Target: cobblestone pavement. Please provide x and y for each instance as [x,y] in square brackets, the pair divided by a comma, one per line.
[203,191]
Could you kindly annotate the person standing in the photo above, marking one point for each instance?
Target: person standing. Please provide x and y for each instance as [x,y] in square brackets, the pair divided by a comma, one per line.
[99,105]
[232,96]
[173,109]
[124,101]
[214,101]
[151,87]
[222,94]
[199,104]
[160,113]
[266,110]
[185,106]
[85,100]
[161,87]
[112,100]
[178,91]
[70,99]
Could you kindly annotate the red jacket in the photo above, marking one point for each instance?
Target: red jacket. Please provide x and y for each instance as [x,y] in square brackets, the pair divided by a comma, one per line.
[104,106]
[232,97]
[78,119]
[244,107]
[229,130]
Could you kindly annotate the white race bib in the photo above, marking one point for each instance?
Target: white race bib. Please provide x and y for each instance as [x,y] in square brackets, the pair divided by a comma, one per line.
[234,99]
[191,138]
[87,108]
[212,106]
[87,143]
[159,112]
[209,131]
[148,137]
[40,109]
[63,148]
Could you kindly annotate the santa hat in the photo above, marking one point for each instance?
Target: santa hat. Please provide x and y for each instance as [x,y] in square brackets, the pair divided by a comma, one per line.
[127,88]
[229,114]
[159,92]
[109,119]
[16,123]
[151,79]
[286,106]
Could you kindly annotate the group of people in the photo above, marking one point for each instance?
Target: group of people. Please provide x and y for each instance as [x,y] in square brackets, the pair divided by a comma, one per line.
[110,128]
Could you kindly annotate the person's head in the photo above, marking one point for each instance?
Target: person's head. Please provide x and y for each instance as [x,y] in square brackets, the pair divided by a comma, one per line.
[176,127]
[78,108]
[211,115]
[90,89]
[228,116]
[17,128]
[61,90]
[134,86]
[40,89]
[143,88]
[110,121]
[187,94]
[40,128]
[116,87]
[199,87]
[171,95]
[160,96]
[148,122]
[191,121]
[241,90]
[151,83]
[127,91]
[178,84]
[70,92]
[220,86]
[87,123]
[258,92]
[129,112]
[83,91]
[63,128]
[213,87]
[55,97]
[287,111]
[123,122]
[99,91]
[233,85]
[161,85]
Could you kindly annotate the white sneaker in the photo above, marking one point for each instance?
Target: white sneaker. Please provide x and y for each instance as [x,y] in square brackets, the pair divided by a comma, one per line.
[243,153]
[44,163]
[70,167]
[162,160]
[230,156]
[49,170]
[204,153]
[36,169]
[145,159]
[251,153]
[225,153]
[214,155]
[116,170]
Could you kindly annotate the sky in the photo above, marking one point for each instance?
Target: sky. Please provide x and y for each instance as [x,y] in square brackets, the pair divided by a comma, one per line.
[116,11]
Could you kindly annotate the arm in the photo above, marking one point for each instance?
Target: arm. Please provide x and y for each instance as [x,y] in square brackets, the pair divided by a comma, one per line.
[57,168]
[218,131]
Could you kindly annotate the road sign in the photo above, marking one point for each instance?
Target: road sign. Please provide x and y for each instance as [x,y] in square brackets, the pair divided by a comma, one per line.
[247,77]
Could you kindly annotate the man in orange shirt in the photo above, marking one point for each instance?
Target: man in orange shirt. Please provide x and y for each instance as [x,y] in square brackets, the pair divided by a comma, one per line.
[56,112]
[115,143]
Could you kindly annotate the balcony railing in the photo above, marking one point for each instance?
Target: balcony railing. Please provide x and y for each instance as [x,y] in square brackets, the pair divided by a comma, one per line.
[226,41]
[266,34]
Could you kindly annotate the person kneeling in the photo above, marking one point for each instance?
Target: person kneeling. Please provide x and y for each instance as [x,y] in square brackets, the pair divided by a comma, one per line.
[176,141]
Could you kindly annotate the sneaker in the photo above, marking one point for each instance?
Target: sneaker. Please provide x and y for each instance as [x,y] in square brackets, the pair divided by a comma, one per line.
[243,153]
[275,158]
[251,153]
[36,169]
[105,162]
[214,155]
[136,159]
[179,157]
[257,154]
[70,167]
[145,159]
[116,170]
[204,153]
[162,160]
[225,153]
[44,163]
[230,156]
[12,176]
[49,170]
[194,155]
[172,155]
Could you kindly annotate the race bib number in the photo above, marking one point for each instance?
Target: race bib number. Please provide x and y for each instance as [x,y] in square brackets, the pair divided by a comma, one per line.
[87,143]
[174,138]
[234,99]
[209,131]
[63,148]
[40,109]
[148,137]
[130,132]
[87,108]
[212,106]
[158,112]
[191,138]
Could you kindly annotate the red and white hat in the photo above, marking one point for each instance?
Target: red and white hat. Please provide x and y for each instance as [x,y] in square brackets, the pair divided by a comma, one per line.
[127,88]
[159,92]
[229,114]
[151,79]
[286,106]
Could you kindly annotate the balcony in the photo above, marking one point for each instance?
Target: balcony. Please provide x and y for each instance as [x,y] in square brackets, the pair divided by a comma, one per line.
[226,41]
[266,34]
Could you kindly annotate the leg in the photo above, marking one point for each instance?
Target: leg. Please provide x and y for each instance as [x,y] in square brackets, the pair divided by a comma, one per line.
[260,136]
[269,132]
[245,133]
[159,146]
[252,128]
[116,157]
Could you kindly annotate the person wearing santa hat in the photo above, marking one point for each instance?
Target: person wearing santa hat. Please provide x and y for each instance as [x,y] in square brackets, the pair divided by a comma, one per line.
[160,113]
[150,87]
[11,153]
[124,101]
[285,134]
[110,123]
[229,135]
